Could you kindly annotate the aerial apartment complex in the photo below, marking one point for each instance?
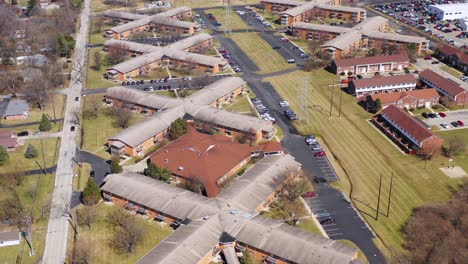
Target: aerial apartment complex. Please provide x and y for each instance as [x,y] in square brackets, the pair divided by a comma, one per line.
[370,64]
[228,224]
[382,84]
[148,57]
[370,33]
[446,87]
[169,21]
[299,11]
[201,107]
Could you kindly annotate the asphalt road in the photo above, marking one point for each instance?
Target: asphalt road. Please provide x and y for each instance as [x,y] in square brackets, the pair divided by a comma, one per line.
[451,117]
[57,230]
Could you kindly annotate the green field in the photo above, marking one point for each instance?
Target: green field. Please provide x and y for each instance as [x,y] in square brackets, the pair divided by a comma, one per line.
[17,162]
[26,191]
[94,78]
[365,154]
[101,231]
[241,105]
[97,130]
[236,21]
[461,159]
[212,3]
[260,52]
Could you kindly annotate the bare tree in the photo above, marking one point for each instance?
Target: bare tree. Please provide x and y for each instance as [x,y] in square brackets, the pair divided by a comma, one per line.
[53,73]
[11,180]
[11,82]
[128,232]
[97,60]
[122,116]
[455,145]
[93,107]
[293,187]
[37,90]
[83,251]
[444,100]
[12,209]
[117,53]
[429,151]
[86,215]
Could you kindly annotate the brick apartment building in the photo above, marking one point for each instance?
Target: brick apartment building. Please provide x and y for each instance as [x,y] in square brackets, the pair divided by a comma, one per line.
[382,84]
[148,57]
[407,100]
[454,57]
[210,160]
[228,224]
[406,131]
[341,42]
[298,11]
[201,107]
[446,87]
[370,64]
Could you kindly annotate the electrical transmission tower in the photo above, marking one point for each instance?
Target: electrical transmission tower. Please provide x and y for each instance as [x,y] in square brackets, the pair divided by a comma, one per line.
[303,100]
[227,23]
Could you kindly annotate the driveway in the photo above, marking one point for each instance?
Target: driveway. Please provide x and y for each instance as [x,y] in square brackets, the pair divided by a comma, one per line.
[427,64]
[451,117]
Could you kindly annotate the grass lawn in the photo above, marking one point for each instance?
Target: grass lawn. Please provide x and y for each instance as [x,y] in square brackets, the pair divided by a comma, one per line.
[419,111]
[18,162]
[236,21]
[97,36]
[261,53]
[309,225]
[461,159]
[26,193]
[79,182]
[99,6]
[361,255]
[35,114]
[212,3]
[94,78]
[241,105]
[270,17]
[365,154]
[452,71]
[102,231]
[97,130]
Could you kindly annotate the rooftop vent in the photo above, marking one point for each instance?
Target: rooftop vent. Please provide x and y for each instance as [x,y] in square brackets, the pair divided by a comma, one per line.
[166,160]
[181,168]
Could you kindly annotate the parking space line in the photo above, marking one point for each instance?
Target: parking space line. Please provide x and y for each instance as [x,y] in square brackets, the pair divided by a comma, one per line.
[338,234]
[332,229]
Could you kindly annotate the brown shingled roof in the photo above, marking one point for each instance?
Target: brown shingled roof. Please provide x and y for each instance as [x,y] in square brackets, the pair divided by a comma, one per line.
[371,60]
[451,87]
[387,98]
[448,50]
[203,157]
[381,80]
[408,123]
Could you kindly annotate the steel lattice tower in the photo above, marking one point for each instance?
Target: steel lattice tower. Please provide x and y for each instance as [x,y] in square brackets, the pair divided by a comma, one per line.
[227,22]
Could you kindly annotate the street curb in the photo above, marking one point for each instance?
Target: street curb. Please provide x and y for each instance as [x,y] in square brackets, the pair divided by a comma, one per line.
[314,218]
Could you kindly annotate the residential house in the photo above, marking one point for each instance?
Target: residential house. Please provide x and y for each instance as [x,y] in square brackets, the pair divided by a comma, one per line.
[370,64]
[16,110]
[446,87]
[8,140]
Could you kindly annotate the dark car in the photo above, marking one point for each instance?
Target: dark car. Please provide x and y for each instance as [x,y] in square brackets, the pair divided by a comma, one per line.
[22,134]
[455,124]
[425,115]
[435,62]
[72,128]
[123,83]
[432,115]
[77,99]
[92,173]
[276,47]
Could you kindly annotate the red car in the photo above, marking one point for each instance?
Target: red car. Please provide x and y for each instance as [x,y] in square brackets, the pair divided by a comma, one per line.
[308,195]
[460,123]
[319,154]
[442,114]
[284,40]
[428,58]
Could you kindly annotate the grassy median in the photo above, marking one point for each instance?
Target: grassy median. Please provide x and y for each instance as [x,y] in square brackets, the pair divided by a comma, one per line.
[236,21]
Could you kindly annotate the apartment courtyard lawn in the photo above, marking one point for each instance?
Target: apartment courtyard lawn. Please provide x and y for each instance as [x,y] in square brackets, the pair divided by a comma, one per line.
[260,52]
[94,78]
[97,130]
[365,154]
[241,105]
[212,3]
[102,231]
[17,162]
[236,21]
[460,159]
[44,185]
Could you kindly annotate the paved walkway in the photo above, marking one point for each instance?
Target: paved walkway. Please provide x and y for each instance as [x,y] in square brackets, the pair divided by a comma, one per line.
[55,251]
[44,135]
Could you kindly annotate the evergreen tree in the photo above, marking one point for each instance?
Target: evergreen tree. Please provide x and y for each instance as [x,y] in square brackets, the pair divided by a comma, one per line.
[162,174]
[31,5]
[45,124]
[31,152]
[115,166]
[91,193]
[378,105]
[3,155]
[178,128]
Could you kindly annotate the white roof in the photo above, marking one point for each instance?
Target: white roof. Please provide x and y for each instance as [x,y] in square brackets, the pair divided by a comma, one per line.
[124,15]
[452,7]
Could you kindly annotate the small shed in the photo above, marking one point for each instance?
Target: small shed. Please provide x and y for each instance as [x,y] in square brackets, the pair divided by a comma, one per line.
[17,110]
[10,238]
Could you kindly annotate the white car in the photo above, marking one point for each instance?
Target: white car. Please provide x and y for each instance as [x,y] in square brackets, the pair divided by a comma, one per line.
[284,104]
[445,125]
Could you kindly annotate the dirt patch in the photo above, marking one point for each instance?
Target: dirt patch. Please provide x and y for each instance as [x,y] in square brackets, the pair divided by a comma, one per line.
[454,171]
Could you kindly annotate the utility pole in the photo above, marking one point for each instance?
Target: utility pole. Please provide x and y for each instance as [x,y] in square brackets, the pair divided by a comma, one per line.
[227,23]
[28,235]
[332,86]
[390,196]
[378,198]
[339,109]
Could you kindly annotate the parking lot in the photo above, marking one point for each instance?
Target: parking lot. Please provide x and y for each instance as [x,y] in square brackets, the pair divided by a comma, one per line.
[451,116]
[414,13]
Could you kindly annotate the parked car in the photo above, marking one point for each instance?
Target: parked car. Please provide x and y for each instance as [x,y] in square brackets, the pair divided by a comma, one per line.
[432,115]
[320,154]
[309,195]
[444,125]
[284,40]
[77,99]
[316,147]
[428,58]
[435,62]
[460,123]
[284,104]
[319,179]
[310,139]
[23,134]
[72,128]
[425,115]
[442,114]
[92,173]
[291,61]
[455,124]
[276,47]
[37,133]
